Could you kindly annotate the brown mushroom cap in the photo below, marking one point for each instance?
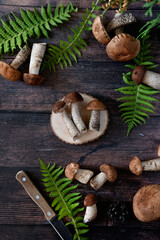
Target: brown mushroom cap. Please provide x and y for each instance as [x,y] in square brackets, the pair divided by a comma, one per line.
[73,97]
[135,166]
[138,74]
[71,170]
[9,73]
[146,203]
[99,31]
[110,172]
[123,47]
[90,200]
[58,106]
[32,79]
[96,105]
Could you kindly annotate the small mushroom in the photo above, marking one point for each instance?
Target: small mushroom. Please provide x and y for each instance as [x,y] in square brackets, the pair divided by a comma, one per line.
[73,98]
[59,107]
[33,78]
[141,75]
[99,31]
[82,175]
[108,172]
[10,72]
[123,47]
[95,106]
[137,167]
[91,208]
[146,203]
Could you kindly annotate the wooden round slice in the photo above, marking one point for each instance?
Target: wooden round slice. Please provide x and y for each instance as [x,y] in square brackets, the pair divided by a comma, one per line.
[60,130]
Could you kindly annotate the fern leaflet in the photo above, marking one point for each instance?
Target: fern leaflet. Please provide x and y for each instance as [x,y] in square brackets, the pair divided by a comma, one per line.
[137,104]
[19,29]
[66,51]
[65,201]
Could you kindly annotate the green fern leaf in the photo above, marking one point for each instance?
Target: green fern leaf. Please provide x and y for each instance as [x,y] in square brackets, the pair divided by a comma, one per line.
[65,201]
[137,104]
[66,52]
[19,29]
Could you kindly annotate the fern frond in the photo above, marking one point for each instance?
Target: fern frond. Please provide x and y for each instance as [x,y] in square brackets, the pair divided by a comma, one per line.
[136,104]
[155,23]
[19,29]
[65,201]
[66,52]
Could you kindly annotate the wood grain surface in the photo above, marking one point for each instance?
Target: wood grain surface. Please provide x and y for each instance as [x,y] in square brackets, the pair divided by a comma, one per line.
[25,134]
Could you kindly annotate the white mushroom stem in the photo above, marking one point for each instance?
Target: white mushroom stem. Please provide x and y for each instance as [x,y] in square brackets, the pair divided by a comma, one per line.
[37,55]
[77,118]
[151,165]
[98,181]
[70,125]
[94,122]
[21,57]
[119,29]
[90,214]
[84,175]
[152,79]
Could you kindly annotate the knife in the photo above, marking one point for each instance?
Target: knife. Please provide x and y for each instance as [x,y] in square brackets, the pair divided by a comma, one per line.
[50,215]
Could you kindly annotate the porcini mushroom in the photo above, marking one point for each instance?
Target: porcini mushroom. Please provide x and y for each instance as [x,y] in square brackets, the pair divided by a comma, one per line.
[108,172]
[10,72]
[73,98]
[99,31]
[33,78]
[82,175]
[95,106]
[137,167]
[141,75]
[91,208]
[146,203]
[59,107]
[123,47]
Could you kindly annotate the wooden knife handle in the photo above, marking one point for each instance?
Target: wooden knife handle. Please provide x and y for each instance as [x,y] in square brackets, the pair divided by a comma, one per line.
[35,194]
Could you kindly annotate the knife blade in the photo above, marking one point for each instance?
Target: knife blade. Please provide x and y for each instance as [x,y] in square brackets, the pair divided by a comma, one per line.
[37,197]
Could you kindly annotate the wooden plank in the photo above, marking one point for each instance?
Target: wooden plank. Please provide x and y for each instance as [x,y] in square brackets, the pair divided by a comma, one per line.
[46,232]
[17,96]
[25,137]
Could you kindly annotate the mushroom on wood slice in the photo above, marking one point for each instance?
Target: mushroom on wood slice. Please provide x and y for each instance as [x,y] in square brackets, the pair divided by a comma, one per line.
[73,99]
[60,129]
[59,108]
[96,107]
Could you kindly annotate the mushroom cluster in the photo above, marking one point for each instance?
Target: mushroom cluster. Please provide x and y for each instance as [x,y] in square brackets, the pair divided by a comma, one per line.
[11,73]
[122,47]
[84,118]
[137,167]
[108,172]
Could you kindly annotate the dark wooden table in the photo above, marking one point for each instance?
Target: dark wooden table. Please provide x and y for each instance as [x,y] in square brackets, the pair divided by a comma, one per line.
[25,135]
